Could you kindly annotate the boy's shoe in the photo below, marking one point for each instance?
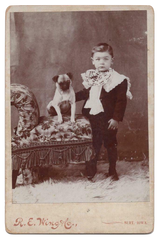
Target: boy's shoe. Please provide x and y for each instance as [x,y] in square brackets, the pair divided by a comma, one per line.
[114,176]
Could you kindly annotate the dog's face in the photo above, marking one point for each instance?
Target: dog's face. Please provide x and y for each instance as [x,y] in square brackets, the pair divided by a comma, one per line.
[63,80]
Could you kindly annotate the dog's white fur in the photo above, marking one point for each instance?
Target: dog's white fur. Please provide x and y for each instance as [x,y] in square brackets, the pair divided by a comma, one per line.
[60,96]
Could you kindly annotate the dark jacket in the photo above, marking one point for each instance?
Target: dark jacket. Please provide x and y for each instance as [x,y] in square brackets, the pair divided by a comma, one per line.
[114,102]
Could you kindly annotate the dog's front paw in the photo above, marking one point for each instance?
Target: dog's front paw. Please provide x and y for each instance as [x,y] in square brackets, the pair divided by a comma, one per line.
[60,120]
[72,120]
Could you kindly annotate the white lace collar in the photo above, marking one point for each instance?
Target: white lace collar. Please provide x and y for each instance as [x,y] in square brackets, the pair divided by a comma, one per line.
[109,80]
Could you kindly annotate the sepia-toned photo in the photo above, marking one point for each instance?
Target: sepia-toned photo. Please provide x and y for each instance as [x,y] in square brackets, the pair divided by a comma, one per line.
[49,52]
[78,108]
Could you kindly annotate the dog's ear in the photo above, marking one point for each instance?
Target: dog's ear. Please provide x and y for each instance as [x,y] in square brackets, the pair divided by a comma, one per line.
[55,78]
[70,75]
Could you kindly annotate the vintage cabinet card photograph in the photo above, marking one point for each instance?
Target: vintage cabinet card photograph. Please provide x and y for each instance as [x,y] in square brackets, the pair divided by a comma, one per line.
[79,119]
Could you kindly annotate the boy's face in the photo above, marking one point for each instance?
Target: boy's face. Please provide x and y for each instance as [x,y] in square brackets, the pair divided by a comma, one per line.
[102,61]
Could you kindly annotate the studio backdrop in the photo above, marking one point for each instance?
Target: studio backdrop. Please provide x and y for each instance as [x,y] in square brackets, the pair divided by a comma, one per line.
[47,44]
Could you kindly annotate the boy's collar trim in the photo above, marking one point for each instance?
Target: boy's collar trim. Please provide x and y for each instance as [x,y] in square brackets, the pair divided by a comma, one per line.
[109,80]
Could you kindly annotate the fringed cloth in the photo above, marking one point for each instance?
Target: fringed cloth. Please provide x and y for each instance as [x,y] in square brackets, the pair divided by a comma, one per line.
[51,154]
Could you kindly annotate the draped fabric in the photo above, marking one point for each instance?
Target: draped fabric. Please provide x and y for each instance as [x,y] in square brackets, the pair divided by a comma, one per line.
[48,156]
[25,102]
[51,143]
[49,131]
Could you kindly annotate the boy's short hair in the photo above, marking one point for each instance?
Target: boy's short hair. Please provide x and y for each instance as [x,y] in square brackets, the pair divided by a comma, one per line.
[102,47]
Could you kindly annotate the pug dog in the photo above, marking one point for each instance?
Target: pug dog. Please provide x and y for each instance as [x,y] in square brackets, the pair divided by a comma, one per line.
[64,92]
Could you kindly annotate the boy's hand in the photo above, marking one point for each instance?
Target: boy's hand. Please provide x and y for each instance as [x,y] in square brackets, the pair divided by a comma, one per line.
[113,124]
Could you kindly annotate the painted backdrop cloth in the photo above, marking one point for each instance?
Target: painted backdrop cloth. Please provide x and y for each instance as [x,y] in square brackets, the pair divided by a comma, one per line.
[98,80]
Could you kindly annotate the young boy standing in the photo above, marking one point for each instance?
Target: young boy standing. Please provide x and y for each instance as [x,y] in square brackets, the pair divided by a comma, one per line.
[105,93]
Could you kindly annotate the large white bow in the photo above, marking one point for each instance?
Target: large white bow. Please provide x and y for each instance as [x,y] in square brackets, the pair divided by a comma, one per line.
[96,80]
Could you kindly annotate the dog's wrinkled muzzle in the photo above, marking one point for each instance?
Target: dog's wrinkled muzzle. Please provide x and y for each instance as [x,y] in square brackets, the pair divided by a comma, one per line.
[64,85]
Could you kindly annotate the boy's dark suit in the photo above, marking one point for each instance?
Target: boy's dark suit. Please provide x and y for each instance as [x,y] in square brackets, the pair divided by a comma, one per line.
[114,104]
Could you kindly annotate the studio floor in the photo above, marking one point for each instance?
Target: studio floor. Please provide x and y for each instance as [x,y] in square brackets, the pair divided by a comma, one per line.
[133,185]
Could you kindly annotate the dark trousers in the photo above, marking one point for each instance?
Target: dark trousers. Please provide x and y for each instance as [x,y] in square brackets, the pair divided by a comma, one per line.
[101,134]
